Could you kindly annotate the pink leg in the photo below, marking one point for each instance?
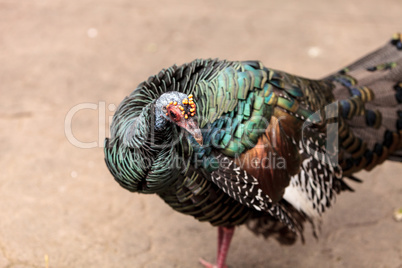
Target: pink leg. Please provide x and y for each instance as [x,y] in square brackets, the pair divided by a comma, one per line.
[225,235]
[220,237]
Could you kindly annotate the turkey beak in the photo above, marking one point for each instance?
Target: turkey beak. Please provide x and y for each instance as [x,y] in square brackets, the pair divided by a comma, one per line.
[191,126]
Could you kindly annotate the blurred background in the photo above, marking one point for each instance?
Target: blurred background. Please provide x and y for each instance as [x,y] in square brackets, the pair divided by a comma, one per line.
[66,65]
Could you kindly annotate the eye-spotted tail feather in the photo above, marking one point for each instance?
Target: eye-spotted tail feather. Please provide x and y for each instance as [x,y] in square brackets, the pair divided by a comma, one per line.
[370,97]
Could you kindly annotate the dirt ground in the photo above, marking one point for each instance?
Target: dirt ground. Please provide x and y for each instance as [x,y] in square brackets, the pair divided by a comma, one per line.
[65,65]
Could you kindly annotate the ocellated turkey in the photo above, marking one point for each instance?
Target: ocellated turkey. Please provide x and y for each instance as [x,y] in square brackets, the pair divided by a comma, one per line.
[235,142]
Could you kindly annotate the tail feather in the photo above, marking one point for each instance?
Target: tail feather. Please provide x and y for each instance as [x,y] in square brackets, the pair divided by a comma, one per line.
[369,92]
[396,156]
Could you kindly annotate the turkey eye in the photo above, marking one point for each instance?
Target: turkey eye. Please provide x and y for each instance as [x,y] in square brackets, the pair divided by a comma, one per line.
[173,115]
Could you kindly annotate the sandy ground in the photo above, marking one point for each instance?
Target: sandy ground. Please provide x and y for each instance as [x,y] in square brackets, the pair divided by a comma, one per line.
[65,65]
